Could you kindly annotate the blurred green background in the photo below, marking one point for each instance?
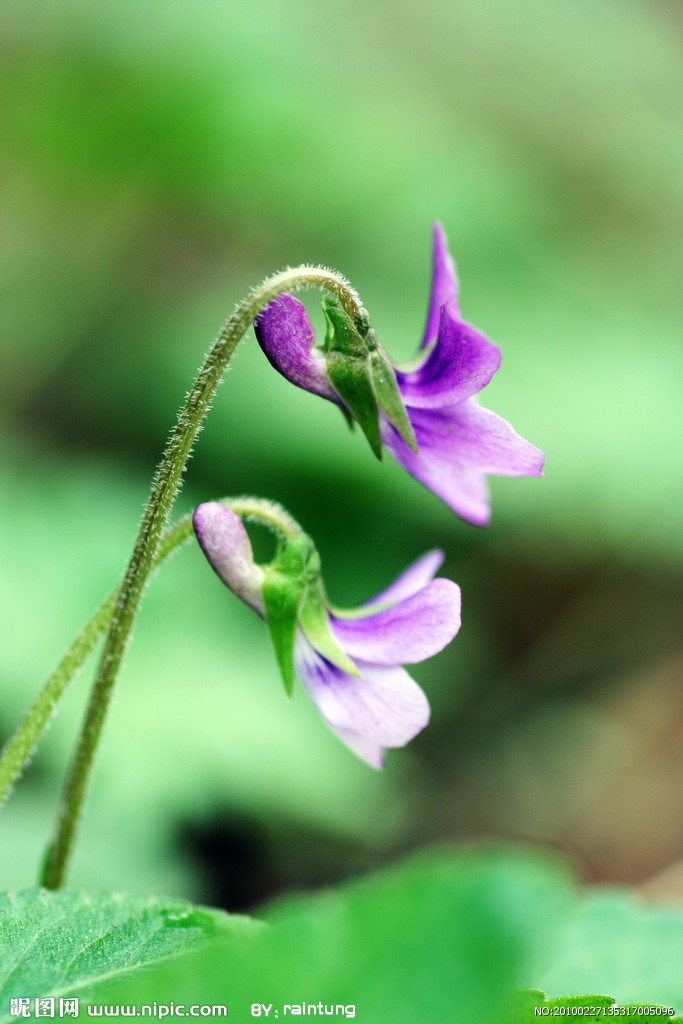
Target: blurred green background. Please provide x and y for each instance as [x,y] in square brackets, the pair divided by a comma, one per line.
[158,160]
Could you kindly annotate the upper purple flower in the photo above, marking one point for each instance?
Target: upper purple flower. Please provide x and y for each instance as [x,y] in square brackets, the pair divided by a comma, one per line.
[380,706]
[458,441]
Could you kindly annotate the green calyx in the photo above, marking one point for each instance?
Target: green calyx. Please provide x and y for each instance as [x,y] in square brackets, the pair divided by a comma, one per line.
[362,375]
[294,598]
[386,389]
[283,596]
[350,372]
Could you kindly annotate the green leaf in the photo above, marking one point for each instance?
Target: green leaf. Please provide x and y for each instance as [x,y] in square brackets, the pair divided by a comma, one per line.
[529,1006]
[350,371]
[444,936]
[522,1005]
[64,943]
[615,943]
[583,1001]
[439,937]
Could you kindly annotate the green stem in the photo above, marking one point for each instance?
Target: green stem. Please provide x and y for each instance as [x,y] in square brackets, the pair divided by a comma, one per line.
[19,749]
[165,487]
[268,513]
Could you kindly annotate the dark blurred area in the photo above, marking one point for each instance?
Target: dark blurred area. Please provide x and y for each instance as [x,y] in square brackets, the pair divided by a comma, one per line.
[157,162]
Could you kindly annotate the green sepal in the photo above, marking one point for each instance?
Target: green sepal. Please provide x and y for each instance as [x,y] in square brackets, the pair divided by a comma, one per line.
[284,593]
[350,372]
[386,389]
[350,422]
[315,623]
[283,599]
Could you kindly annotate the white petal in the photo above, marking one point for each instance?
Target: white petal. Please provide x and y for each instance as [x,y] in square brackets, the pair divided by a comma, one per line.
[382,708]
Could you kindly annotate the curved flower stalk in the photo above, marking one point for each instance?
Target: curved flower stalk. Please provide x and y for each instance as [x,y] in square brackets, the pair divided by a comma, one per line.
[349,663]
[439,434]
[164,489]
[18,750]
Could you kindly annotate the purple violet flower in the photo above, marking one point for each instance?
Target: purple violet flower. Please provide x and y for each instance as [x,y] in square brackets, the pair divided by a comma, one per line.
[458,441]
[411,620]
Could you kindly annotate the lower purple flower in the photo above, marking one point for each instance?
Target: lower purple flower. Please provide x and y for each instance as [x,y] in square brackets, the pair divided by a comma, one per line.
[458,442]
[410,621]
[413,619]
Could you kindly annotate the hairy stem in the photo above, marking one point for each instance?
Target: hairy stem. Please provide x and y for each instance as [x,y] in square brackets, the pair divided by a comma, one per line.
[20,748]
[164,490]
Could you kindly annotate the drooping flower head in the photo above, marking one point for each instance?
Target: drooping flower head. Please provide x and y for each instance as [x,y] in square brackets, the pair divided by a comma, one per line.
[349,663]
[426,414]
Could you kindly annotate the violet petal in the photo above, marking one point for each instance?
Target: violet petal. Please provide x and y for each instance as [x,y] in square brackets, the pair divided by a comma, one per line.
[385,707]
[444,290]
[370,752]
[412,579]
[225,543]
[408,632]
[461,363]
[286,335]
[457,446]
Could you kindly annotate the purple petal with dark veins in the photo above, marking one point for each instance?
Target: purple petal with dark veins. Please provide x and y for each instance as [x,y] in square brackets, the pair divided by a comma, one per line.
[286,335]
[383,708]
[444,291]
[461,363]
[410,631]
[457,446]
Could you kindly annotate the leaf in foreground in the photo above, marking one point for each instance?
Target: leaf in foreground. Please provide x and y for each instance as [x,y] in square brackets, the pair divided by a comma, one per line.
[531,1005]
[442,936]
[63,943]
